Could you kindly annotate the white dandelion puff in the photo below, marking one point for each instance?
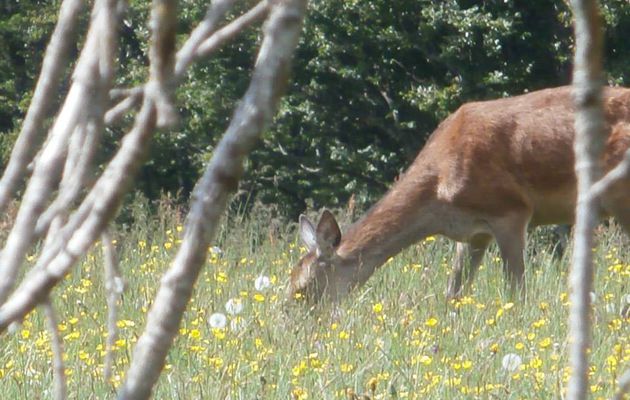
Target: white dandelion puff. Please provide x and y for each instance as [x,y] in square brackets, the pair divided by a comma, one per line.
[234,306]
[511,362]
[262,283]
[217,321]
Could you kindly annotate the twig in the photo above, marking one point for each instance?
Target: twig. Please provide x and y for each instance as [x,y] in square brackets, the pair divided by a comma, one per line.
[55,60]
[186,55]
[81,150]
[56,345]
[86,223]
[92,73]
[203,42]
[130,98]
[114,288]
[211,194]
[223,35]
[162,60]
[122,93]
[621,171]
[115,113]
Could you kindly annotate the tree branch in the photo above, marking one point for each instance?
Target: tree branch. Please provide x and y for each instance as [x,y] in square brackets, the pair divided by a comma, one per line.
[114,288]
[228,32]
[86,223]
[186,55]
[211,195]
[56,344]
[93,73]
[204,40]
[162,60]
[55,61]
[621,171]
[589,144]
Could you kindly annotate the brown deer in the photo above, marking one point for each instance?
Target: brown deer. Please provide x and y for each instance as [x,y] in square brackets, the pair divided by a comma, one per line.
[490,170]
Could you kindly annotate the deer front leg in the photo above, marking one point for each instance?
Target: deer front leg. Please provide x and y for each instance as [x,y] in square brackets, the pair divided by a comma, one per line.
[467,261]
[510,234]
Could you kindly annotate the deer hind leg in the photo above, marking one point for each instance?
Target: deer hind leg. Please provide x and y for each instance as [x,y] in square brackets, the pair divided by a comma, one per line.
[467,260]
[510,234]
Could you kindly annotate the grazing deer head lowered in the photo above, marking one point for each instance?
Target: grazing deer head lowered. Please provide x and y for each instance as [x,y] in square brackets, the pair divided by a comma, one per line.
[490,170]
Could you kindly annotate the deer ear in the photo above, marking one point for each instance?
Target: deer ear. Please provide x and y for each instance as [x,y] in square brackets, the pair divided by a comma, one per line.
[307,233]
[328,234]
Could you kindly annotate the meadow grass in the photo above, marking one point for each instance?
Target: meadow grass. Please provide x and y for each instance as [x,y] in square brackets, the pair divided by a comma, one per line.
[395,338]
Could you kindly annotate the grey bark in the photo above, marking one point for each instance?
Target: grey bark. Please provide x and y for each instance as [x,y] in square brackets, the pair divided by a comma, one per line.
[55,60]
[63,164]
[212,193]
[92,75]
[589,144]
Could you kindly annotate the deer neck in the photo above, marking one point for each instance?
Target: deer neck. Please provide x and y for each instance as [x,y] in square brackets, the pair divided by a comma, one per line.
[404,216]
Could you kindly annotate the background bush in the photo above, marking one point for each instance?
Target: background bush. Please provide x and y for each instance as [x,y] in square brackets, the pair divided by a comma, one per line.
[371,81]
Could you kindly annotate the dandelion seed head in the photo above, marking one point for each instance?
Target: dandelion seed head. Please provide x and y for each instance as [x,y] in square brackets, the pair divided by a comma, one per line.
[217,321]
[118,285]
[234,306]
[511,362]
[262,283]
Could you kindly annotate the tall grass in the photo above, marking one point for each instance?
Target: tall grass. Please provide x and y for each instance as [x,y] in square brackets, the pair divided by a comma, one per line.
[395,338]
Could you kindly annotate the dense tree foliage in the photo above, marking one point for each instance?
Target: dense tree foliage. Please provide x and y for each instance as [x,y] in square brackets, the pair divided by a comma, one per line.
[372,79]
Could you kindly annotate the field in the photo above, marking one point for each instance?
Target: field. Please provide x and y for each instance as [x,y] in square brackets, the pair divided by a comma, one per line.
[396,338]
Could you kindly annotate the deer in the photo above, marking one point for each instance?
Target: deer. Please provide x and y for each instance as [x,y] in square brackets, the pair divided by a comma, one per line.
[489,171]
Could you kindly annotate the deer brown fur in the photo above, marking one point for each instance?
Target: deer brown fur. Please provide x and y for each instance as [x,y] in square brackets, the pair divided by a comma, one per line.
[490,170]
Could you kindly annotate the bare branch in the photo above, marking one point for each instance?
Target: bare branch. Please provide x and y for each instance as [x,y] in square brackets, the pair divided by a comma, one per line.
[115,113]
[114,288]
[228,32]
[55,61]
[211,195]
[81,150]
[118,94]
[162,56]
[91,76]
[203,42]
[56,344]
[620,172]
[215,14]
[184,57]
[85,224]
[589,144]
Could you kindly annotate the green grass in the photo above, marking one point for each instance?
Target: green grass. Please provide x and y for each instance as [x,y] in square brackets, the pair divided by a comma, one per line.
[397,337]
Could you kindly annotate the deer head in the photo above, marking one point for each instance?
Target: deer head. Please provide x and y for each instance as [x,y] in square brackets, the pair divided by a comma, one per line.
[321,272]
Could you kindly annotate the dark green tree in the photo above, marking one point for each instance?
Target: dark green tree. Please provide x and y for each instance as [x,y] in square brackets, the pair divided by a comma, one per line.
[372,80]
